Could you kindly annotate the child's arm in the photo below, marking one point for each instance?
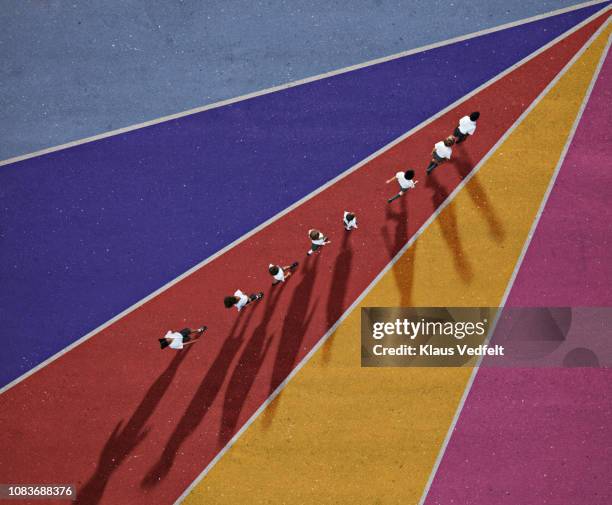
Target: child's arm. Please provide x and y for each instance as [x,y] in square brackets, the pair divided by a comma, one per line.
[190,342]
[390,180]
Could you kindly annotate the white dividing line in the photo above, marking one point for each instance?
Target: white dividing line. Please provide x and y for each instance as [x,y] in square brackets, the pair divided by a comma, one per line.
[296,204]
[396,258]
[298,82]
[519,262]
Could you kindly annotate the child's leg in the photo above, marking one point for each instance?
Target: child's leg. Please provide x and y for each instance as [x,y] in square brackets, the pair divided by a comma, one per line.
[433,164]
[395,197]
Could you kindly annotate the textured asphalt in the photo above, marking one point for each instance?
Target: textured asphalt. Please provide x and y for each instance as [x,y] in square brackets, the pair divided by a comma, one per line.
[75,69]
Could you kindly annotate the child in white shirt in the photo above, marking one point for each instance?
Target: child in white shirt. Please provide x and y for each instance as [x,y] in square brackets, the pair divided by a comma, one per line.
[318,240]
[466,127]
[406,182]
[441,152]
[350,221]
[240,300]
[280,274]
[179,339]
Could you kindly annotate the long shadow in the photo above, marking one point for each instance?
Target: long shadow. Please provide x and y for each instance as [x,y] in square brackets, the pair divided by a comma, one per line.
[394,241]
[450,231]
[200,403]
[246,370]
[294,330]
[337,292]
[464,166]
[123,441]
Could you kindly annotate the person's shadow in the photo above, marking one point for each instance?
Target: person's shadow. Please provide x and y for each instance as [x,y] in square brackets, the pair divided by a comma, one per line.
[200,403]
[337,292]
[464,166]
[294,330]
[246,370]
[126,437]
[447,220]
[394,241]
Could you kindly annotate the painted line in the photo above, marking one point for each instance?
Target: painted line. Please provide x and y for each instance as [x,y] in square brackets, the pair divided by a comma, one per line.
[519,262]
[396,258]
[299,82]
[305,199]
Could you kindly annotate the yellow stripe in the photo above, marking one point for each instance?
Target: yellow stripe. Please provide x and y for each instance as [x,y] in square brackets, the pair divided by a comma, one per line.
[342,434]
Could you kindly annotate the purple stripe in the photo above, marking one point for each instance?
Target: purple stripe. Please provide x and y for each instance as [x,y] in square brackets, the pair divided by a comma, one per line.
[545,435]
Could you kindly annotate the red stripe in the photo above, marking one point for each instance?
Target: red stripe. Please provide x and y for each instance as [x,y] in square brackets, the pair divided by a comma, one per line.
[129,423]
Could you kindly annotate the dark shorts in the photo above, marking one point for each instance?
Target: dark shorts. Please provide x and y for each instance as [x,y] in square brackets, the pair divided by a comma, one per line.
[186,332]
[457,133]
[437,158]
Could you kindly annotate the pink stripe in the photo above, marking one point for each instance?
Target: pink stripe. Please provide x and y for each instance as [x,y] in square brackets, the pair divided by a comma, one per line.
[545,435]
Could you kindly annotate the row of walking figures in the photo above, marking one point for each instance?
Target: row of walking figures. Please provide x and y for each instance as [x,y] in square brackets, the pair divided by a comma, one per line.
[441,153]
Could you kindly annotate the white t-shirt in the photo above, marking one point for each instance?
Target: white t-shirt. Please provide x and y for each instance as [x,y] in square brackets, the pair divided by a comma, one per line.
[403,182]
[467,126]
[442,150]
[280,276]
[242,299]
[319,241]
[177,340]
[350,224]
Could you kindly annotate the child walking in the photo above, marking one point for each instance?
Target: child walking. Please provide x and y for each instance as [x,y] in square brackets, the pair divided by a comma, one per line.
[441,152]
[280,274]
[350,221]
[179,339]
[406,182]
[318,240]
[240,300]
[466,127]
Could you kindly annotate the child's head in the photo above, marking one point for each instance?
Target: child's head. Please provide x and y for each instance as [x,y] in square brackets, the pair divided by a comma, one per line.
[314,234]
[449,141]
[474,116]
[349,217]
[273,269]
[409,174]
[230,301]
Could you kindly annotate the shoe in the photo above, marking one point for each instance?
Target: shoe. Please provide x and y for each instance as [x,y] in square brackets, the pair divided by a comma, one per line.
[309,253]
[293,265]
[259,296]
[202,329]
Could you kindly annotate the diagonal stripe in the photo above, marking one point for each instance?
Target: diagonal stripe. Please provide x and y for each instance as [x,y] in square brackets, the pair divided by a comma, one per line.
[540,427]
[299,82]
[149,448]
[341,434]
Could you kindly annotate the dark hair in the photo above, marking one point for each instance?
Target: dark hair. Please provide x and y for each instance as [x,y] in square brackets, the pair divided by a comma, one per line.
[409,174]
[314,234]
[350,216]
[474,116]
[449,141]
[273,269]
[229,301]
[163,343]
